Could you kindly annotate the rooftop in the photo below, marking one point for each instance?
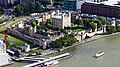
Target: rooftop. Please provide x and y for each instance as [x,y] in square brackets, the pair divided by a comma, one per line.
[59,14]
[112,2]
[56,16]
[108,3]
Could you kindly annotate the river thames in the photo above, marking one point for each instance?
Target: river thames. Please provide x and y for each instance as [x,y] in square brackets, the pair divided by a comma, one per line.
[82,55]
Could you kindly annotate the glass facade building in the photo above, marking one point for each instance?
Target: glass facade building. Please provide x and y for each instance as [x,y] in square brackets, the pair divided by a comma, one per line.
[72,4]
[76,4]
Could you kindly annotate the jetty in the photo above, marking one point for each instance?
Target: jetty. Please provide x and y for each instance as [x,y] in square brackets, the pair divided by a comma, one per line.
[29,59]
[59,57]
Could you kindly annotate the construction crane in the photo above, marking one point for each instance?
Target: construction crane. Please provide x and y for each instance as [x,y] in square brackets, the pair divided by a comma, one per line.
[5,38]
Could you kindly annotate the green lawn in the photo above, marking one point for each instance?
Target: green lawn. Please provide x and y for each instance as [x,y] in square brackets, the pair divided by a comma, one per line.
[77,29]
[35,51]
[12,23]
[15,40]
[16,21]
[3,29]
[20,42]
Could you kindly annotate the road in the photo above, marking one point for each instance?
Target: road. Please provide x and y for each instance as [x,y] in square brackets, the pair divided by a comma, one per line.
[10,22]
[8,13]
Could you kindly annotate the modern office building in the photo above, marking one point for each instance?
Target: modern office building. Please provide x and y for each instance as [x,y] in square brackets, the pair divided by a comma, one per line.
[108,8]
[61,19]
[74,5]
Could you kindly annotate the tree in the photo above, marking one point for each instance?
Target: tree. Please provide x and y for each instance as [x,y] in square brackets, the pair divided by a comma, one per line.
[35,7]
[86,21]
[34,23]
[56,44]
[19,9]
[99,23]
[49,21]
[50,25]
[38,26]
[103,20]
[118,28]
[93,26]
[111,29]
[63,41]
[69,39]
[1,11]
[26,9]
[38,7]
[79,22]
[32,7]
[63,30]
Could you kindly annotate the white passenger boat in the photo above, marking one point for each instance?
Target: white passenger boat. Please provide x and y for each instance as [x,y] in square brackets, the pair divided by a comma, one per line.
[99,54]
[51,63]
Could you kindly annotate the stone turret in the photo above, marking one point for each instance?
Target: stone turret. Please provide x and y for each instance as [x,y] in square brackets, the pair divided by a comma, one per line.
[27,48]
[31,32]
[52,2]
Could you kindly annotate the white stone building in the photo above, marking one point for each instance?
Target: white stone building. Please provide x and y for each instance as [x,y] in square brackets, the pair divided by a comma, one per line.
[61,19]
[41,17]
[4,57]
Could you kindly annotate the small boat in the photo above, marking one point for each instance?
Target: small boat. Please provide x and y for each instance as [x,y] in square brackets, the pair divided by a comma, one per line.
[51,63]
[99,54]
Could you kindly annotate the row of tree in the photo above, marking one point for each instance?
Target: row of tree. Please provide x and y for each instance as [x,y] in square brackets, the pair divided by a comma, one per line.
[35,23]
[26,9]
[67,40]
[91,23]
[43,25]
[111,29]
